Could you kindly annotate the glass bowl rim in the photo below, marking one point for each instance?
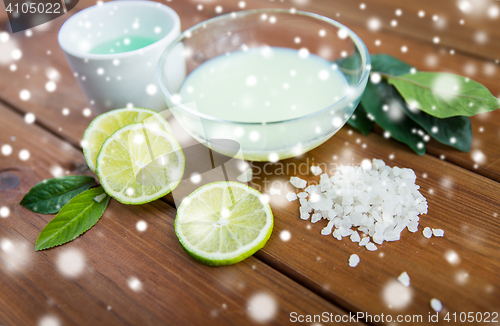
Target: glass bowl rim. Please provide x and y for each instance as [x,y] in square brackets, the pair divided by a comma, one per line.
[358,43]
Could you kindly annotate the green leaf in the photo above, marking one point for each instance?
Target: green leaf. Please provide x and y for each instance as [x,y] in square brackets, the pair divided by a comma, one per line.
[455,131]
[388,64]
[394,120]
[444,95]
[360,121]
[383,63]
[48,196]
[76,217]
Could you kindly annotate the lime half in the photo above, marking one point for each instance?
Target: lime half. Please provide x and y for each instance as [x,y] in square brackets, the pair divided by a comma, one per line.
[106,124]
[140,163]
[223,223]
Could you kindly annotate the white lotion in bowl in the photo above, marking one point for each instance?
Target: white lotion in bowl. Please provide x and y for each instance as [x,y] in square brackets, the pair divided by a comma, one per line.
[265,84]
[248,81]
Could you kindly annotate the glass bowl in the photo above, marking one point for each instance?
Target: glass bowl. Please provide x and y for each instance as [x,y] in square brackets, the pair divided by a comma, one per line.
[276,140]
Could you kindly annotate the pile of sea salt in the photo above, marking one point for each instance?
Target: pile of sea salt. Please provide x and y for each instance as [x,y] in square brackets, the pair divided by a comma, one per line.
[378,200]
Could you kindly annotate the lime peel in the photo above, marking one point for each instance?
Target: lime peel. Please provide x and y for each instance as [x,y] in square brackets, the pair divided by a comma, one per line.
[138,172]
[104,125]
[223,223]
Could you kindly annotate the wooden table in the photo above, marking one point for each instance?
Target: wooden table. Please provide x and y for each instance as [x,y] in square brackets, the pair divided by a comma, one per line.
[309,274]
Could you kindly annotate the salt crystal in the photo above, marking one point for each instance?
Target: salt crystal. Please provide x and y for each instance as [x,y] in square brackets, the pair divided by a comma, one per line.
[392,236]
[355,237]
[427,232]
[324,182]
[315,217]
[327,229]
[323,204]
[314,198]
[353,260]
[436,305]
[384,174]
[345,231]
[298,182]
[324,177]
[356,218]
[324,214]
[379,200]
[100,197]
[409,175]
[413,226]
[346,224]
[364,198]
[312,189]
[404,279]
[412,215]
[338,209]
[291,196]
[304,213]
[347,200]
[422,208]
[438,232]
[305,204]
[364,241]
[336,234]
[378,164]
[348,210]
[316,170]
[332,193]
[302,195]
[378,237]
[361,208]
[402,224]
[366,165]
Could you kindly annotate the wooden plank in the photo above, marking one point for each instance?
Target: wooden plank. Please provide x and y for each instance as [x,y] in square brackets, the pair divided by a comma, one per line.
[48,106]
[452,33]
[464,204]
[175,289]
[332,278]
[466,37]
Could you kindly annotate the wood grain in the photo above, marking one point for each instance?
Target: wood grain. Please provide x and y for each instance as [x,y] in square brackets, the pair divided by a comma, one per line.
[175,288]
[463,203]
[452,34]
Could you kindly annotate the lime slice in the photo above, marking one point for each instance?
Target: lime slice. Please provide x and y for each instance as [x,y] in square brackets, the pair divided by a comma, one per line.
[140,163]
[223,223]
[106,124]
